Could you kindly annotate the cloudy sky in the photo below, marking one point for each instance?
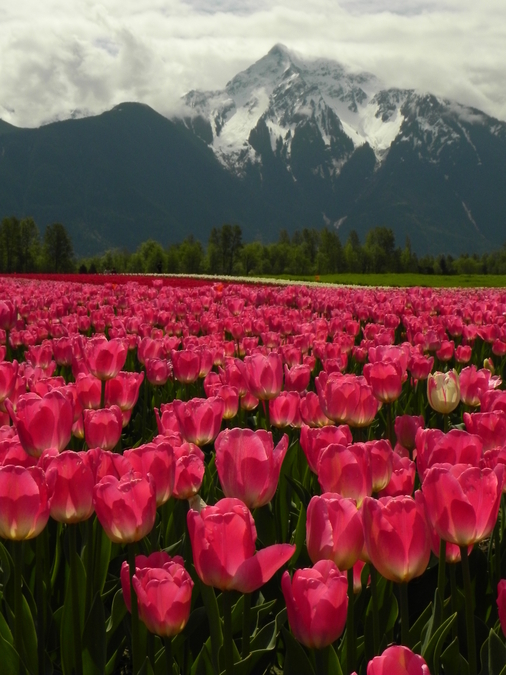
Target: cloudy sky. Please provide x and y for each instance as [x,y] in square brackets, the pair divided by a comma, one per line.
[57,56]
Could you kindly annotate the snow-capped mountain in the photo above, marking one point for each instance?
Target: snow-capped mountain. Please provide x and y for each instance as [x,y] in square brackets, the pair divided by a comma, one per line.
[284,94]
[288,144]
[339,136]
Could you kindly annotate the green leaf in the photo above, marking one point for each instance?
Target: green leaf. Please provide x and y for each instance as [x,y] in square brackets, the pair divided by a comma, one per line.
[101,565]
[213,614]
[430,649]
[6,565]
[452,661]
[300,536]
[5,631]
[118,611]
[67,625]
[303,494]
[94,639]
[296,660]
[496,653]
[9,658]
[415,631]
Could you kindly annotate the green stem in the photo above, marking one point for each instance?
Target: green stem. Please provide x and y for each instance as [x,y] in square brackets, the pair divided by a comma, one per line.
[228,646]
[102,394]
[321,657]
[404,614]
[441,579]
[389,424]
[350,625]
[267,415]
[246,625]
[18,552]
[135,612]
[468,592]
[453,597]
[375,610]
[169,659]
[74,589]
[497,553]
[41,597]
[8,351]
[446,423]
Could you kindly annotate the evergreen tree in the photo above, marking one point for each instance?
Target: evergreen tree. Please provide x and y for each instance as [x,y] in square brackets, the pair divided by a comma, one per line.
[58,253]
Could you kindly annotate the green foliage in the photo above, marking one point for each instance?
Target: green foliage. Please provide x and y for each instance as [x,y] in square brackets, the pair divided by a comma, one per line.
[20,249]
[57,250]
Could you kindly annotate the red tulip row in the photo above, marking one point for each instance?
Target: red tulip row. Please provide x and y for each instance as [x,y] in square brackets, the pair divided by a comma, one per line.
[246,429]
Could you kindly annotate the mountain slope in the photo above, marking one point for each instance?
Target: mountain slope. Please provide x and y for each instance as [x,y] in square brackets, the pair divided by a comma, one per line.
[288,143]
[431,169]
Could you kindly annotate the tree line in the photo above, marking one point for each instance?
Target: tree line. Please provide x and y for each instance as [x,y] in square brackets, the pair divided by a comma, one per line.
[22,249]
[306,252]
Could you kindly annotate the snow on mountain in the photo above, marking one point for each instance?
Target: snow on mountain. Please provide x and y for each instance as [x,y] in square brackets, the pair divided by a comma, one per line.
[293,98]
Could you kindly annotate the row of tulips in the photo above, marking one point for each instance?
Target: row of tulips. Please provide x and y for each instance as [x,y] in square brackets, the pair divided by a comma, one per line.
[161,442]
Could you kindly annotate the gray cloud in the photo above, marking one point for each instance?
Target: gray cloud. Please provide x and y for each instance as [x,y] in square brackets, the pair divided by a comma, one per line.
[60,56]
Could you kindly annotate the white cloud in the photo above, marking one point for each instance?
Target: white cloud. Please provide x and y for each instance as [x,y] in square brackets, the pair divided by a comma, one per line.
[61,55]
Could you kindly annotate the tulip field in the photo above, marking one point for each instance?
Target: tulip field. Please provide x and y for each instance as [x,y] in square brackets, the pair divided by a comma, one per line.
[206,477]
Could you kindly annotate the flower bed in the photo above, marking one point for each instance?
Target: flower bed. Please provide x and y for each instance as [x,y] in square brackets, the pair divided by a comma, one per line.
[207,477]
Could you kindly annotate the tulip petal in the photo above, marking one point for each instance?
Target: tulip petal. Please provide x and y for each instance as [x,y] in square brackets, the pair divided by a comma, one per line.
[257,570]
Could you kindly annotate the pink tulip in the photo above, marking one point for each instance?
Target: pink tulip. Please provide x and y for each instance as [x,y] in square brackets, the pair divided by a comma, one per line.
[189,470]
[158,460]
[455,447]
[284,410]
[158,371]
[123,390]
[72,483]
[24,502]
[8,314]
[164,598]
[314,441]
[166,420]
[311,411]
[406,427]
[346,470]
[490,427]
[126,508]
[102,428]
[263,374]
[105,358]
[397,525]
[223,540]
[8,375]
[230,398]
[463,354]
[153,560]
[105,463]
[385,378]
[462,501]
[380,458]
[473,384]
[186,365]
[402,480]
[199,419]
[43,422]
[420,367]
[89,391]
[316,602]
[347,398]
[297,378]
[334,530]
[248,464]
[399,660]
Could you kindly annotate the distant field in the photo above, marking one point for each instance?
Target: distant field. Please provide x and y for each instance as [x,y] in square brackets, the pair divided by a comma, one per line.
[403,280]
